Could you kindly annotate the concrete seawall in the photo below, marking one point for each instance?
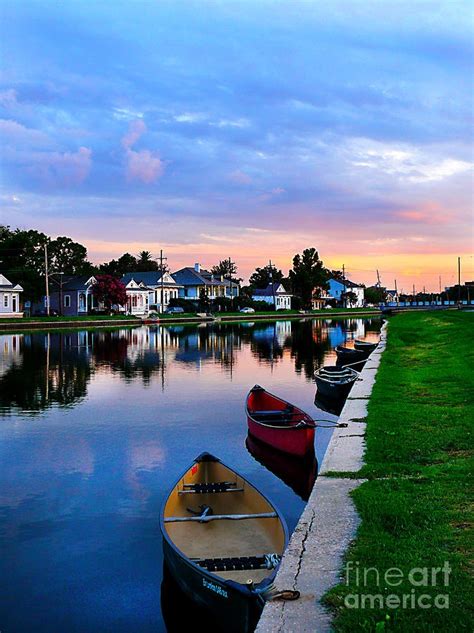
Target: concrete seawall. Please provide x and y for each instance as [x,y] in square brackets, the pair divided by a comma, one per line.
[313,559]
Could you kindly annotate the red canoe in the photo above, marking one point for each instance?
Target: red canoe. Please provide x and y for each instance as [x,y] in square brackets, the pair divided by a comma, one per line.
[279,423]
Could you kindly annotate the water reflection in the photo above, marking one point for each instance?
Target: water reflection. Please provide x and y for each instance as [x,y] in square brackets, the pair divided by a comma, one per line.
[299,473]
[40,370]
[96,427]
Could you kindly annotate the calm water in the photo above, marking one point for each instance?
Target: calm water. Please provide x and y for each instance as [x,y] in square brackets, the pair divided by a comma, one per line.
[95,426]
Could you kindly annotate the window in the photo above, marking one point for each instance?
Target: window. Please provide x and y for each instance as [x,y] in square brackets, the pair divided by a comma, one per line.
[5,301]
[67,301]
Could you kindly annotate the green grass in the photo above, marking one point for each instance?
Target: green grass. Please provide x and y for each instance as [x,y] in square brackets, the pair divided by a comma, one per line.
[416,508]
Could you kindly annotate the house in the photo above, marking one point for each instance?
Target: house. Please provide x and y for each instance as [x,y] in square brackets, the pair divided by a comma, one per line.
[339,287]
[71,295]
[9,298]
[391,296]
[138,297]
[320,298]
[193,281]
[161,288]
[274,294]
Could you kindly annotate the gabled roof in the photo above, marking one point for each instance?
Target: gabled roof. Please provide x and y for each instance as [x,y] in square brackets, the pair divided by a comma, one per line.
[150,278]
[188,276]
[346,282]
[270,290]
[72,282]
[6,284]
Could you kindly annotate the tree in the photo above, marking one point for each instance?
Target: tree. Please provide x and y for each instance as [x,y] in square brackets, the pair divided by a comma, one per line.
[204,302]
[308,273]
[145,262]
[118,267]
[68,257]
[109,291]
[226,268]
[374,294]
[262,277]
[348,298]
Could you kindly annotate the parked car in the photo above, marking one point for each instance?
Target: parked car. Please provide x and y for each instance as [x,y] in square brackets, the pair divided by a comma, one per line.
[175,310]
[247,310]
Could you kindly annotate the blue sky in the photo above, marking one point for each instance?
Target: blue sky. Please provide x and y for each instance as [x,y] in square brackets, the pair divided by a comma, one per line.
[249,129]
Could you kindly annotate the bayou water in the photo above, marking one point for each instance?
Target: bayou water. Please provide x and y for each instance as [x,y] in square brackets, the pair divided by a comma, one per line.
[95,427]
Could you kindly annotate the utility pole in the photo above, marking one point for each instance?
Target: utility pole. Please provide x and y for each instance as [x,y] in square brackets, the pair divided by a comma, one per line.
[161,280]
[344,283]
[378,284]
[46,277]
[459,280]
[396,292]
[271,281]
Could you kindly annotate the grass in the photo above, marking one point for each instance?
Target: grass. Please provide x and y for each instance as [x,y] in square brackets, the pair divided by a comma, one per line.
[416,508]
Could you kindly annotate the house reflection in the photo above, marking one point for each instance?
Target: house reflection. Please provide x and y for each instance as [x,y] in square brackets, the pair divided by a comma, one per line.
[40,370]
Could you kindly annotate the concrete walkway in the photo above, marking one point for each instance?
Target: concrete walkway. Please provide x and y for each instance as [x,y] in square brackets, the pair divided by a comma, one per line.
[313,559]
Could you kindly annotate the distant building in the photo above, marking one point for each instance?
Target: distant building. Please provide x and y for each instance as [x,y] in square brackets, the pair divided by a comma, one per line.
[160,290]
[193,280]
[339,287]
[9,298]
[274,294]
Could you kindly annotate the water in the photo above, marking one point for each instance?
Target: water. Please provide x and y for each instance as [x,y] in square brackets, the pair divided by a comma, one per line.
[95,427]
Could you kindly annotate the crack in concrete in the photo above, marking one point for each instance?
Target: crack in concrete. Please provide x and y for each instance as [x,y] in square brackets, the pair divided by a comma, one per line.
[303,548]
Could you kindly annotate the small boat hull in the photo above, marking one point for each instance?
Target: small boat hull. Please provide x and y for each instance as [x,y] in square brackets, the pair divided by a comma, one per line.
[349,356]
[335,382]
[233,609]
[364,346]
[294,435]
[222,542]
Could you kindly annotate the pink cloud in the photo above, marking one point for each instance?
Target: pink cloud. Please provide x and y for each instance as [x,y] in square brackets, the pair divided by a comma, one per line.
[144,166]
[135,131]
[424,217]
[17,133]
[67,168]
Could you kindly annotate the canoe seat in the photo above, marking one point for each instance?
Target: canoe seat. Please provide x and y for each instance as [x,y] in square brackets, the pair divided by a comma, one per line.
[277,416]
[211,487]
[240,563]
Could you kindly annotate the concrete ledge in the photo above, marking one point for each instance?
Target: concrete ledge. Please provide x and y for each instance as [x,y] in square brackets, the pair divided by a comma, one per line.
[328,524]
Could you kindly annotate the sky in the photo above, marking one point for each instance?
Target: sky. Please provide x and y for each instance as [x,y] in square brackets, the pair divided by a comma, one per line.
[249,130]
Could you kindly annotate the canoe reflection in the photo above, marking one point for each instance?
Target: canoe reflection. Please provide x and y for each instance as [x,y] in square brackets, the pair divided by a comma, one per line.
[330,405]
[299,473]
[181,613]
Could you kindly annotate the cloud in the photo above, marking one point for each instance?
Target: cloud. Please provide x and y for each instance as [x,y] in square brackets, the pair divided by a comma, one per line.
[63,169]
[135,131]
[144,166]
[240,177]
[8,98]
[406,162]
[17,133]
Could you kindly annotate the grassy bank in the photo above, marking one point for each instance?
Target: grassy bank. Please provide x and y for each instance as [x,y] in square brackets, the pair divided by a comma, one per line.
[416,508]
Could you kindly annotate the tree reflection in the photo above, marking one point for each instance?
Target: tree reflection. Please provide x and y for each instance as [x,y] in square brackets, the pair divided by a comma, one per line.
[50,369]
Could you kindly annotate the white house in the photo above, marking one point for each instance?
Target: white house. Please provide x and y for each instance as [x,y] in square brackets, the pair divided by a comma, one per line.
[161,289]
[9,298]
[274,294]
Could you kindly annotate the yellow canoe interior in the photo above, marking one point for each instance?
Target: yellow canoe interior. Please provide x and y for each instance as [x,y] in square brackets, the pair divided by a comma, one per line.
[223,537]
